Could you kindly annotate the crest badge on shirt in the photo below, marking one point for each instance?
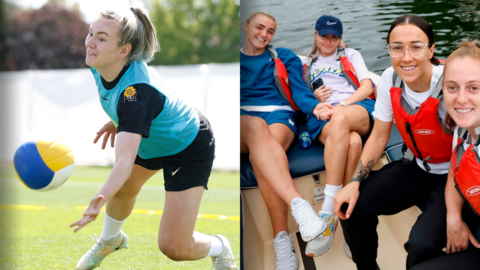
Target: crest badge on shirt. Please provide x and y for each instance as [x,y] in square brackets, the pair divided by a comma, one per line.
[130,94]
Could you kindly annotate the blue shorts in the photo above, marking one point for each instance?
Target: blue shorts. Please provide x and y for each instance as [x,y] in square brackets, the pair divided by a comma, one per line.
[316,125]
[284,117]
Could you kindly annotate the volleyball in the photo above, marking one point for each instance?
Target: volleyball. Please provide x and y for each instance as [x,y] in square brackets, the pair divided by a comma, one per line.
[43,165]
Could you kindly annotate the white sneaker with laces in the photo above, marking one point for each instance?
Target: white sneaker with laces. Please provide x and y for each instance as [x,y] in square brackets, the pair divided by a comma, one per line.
[309,224]
[323,242]
[284,252]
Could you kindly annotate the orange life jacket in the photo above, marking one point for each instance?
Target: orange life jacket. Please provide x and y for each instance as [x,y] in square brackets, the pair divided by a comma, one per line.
[421,128]
[466,170]
[280,74]
[281,78]
[346,67]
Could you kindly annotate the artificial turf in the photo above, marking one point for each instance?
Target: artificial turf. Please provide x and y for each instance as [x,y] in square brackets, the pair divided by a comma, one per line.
[35,233]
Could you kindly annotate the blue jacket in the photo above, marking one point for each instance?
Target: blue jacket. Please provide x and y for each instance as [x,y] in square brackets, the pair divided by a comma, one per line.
[257,84]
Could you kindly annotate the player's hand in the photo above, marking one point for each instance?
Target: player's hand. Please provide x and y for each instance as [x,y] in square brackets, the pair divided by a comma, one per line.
[320,108]
[348,194]
[458,236]
[326,114]
[323,93]
[90,214]
[108,130]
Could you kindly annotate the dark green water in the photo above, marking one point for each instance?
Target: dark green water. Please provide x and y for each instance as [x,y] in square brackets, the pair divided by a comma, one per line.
[366,23]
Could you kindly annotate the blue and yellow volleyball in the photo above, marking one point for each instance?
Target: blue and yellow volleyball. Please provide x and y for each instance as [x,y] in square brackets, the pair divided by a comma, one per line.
[43,165]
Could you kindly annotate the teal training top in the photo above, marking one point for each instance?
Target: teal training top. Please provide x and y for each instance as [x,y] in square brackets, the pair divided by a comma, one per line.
[172,130]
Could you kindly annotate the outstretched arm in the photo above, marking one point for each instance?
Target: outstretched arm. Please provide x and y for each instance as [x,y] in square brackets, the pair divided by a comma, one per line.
[372,152]
[125,154]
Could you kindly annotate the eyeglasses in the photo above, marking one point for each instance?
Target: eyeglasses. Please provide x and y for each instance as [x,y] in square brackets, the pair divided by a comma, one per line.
[415,49]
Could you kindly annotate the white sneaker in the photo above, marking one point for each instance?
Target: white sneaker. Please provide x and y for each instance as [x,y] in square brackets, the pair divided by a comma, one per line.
[347,249]
[309,224]
[285,252]
[225,260]
[323,242]
[94,257]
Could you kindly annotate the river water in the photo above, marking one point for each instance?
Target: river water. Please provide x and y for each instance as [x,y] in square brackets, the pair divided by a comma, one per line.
[366,23]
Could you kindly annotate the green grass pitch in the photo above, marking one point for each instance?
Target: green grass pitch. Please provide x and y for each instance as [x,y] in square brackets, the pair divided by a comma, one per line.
[35,233]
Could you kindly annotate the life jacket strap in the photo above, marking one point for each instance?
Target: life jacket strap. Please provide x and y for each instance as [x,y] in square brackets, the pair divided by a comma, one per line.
[340,53]
[340,56]
[306,75]
[397,81]
[437,93]
[424,161]
[477,132]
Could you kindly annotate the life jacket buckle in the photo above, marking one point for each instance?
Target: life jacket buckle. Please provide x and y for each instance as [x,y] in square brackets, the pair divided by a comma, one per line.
[425,164]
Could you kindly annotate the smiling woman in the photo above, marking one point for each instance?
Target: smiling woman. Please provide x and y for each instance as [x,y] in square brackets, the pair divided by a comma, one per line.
[409,94]
[267,129]
[462,99]
[146,115]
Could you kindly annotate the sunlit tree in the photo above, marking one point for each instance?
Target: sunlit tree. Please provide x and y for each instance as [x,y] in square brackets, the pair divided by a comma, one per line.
[197,31]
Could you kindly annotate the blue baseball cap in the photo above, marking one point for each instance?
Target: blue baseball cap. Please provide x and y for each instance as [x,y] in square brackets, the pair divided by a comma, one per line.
[329,25]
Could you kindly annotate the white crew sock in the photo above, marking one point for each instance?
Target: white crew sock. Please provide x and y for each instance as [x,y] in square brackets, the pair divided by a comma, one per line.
[330,192]
[111,228]
[216,246]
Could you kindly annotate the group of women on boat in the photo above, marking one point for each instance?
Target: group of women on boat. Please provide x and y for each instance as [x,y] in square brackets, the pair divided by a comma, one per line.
[436,109]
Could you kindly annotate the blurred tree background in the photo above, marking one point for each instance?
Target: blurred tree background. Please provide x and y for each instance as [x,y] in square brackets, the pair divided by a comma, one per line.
[52,37]
[197,31]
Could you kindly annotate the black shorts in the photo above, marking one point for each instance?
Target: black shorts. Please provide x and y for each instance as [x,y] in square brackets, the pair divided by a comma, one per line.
[192,166]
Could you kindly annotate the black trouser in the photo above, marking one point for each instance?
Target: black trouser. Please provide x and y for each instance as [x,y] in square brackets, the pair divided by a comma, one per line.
[464,260]
[394,188]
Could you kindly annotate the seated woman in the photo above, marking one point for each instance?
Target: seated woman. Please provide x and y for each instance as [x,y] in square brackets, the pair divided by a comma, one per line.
[462,99]
[406,93]
[267,129]
[347,118]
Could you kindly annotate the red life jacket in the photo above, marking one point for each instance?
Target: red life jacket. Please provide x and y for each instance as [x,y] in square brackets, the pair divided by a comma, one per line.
[281,78]
[281,75]
[421,128]
[346,67]
[466,169]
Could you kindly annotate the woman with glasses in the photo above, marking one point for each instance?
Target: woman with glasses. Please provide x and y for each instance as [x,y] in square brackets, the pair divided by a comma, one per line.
[406,94]
[343,123]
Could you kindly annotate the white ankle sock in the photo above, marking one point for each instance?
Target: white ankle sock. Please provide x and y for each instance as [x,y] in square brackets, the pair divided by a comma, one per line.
[216,246]
[111,228]
[330,192]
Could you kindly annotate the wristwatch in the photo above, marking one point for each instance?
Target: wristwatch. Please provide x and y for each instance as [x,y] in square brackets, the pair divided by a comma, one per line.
[343,104]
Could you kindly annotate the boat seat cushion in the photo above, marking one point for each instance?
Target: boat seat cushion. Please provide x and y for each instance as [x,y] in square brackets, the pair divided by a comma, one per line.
[303,162]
